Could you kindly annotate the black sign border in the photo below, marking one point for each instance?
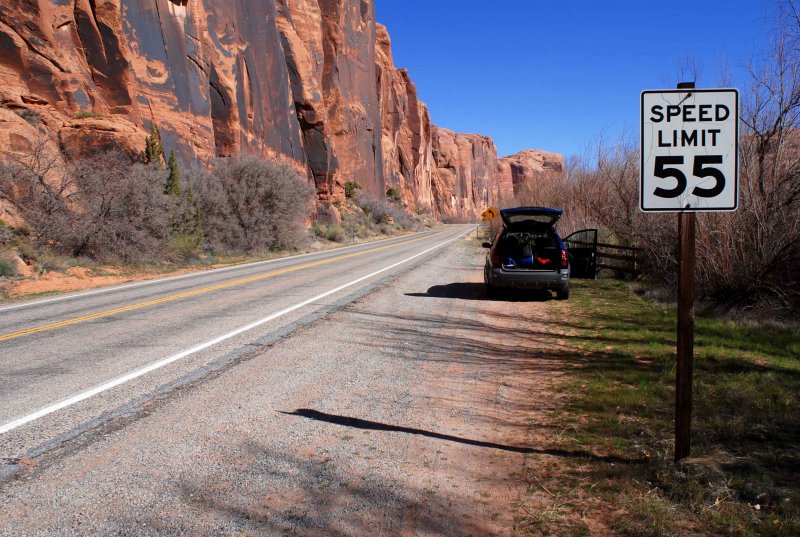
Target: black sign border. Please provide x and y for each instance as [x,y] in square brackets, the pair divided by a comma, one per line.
[641,153]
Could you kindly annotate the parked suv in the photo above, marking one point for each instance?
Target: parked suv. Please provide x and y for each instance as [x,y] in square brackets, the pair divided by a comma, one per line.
[528,253]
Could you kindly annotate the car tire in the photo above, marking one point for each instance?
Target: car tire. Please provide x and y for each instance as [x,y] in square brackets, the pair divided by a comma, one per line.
[563,293]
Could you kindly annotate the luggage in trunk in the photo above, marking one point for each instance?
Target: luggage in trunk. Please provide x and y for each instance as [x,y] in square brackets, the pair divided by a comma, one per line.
[523,251]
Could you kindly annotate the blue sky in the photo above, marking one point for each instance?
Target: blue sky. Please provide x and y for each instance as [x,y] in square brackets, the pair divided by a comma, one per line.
[557,75]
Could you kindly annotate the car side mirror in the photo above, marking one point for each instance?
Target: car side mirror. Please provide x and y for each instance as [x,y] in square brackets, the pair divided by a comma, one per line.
[487,245]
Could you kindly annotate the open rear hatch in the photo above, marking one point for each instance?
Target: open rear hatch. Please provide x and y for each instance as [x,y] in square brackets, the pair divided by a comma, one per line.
[529,242]
[530,218]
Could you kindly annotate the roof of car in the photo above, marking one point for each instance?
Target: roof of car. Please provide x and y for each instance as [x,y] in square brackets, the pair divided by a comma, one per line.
[530,217]
[549,211]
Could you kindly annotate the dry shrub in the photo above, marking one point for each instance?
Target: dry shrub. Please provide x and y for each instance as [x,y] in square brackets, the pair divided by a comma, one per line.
[744,258]
[377,211]
[103,206]
[382,215]
[252,205]
[108,208]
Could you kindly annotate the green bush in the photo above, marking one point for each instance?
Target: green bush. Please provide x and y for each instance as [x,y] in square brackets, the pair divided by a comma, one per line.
[7,268]
[86,114]
[328,232]
[31,116]
[393,194]
[185,246]
[350,188]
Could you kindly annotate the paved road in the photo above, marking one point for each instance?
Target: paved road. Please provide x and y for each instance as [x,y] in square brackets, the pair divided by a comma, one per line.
[72,351]
[407,404]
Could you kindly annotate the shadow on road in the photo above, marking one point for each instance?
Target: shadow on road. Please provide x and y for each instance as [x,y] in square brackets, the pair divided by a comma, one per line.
[357,423]
[255,489]
[477,291]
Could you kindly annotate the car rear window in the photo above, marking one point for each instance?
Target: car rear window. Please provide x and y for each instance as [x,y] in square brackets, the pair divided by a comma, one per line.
[538,239]
[540,218]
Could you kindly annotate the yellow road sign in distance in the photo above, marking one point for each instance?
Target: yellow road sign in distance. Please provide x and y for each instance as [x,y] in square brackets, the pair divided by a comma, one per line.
[490,214]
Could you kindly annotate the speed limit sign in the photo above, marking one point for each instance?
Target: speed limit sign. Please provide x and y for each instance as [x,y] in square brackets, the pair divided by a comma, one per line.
[690,148]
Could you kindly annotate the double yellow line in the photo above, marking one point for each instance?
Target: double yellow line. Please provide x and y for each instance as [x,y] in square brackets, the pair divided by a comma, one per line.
[196,292]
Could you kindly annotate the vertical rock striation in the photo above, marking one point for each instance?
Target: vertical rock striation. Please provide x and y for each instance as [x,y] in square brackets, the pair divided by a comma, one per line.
[313,81]
[329,50]
[467,175]
[406,132]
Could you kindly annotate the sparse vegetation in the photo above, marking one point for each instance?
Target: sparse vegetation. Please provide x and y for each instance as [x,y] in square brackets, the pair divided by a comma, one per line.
[377,211]
[329,232]
[393,194]
[6,268]
[31,116]
[350,188]
[452,219]
[365,217]
[86,114]
[6,233]
[743,477]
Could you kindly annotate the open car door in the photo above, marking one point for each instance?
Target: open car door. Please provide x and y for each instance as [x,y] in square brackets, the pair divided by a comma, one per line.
[582,250]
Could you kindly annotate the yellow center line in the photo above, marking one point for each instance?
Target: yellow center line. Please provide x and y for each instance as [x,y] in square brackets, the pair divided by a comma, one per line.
[178,296]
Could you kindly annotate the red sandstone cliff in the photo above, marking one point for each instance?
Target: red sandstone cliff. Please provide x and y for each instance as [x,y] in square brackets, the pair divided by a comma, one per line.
[312,80]
[525,168]
[406,132]
[467,180]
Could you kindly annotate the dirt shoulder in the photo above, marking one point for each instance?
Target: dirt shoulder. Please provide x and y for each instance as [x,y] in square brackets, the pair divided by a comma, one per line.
[419,409]
[71,275]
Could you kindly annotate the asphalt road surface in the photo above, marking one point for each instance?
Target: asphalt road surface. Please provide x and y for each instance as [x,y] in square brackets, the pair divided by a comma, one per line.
[357,391]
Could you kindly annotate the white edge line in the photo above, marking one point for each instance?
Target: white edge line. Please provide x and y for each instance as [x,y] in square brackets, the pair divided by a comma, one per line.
[166,361]
[81,294]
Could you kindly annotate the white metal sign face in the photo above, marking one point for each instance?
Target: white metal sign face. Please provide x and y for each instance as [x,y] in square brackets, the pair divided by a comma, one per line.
[690,150]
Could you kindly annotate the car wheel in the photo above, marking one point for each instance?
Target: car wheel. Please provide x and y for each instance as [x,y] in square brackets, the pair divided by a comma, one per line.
[563,293]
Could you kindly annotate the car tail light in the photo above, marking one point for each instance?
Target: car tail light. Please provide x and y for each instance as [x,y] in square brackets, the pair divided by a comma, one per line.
[494,257]
[564,259]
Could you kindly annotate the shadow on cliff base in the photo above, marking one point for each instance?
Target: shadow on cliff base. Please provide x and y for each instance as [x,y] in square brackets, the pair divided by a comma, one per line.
[477,291]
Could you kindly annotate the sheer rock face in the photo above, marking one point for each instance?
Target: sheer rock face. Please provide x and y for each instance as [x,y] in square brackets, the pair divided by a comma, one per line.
[467,173]
[329,48]
[526,168]
[406,132]
[310,80]
[208,73]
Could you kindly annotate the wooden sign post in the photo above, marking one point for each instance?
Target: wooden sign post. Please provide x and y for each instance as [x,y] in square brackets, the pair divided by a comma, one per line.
[689,145]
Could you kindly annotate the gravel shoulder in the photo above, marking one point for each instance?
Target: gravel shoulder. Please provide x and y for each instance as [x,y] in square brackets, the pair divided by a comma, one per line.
[31,285]
[418,409]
